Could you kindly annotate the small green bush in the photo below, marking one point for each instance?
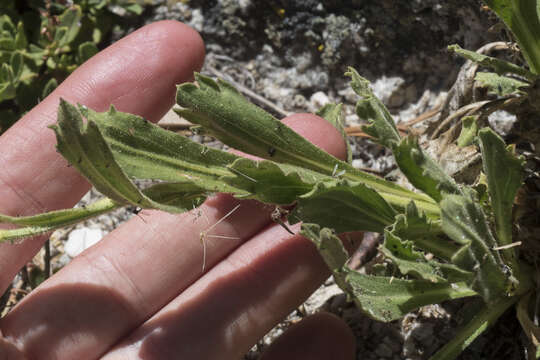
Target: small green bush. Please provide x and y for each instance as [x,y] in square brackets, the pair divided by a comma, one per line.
[42,42]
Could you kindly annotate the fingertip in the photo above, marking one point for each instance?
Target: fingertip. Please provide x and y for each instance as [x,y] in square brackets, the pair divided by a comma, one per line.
[321,336]
[319,131]
[187,42]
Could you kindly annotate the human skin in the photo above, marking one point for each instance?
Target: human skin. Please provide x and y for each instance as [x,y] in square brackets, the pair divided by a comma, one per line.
[140,292]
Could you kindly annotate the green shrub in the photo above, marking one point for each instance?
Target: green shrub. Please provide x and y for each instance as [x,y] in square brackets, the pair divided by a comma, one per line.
[42,42]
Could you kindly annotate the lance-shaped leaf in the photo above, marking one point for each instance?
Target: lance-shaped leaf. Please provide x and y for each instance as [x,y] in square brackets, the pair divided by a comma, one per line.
[271,182]
[504,177]
[499,85]
[501,67]
[344,206]
[387,299]
[334,115]
[381,124]
[226,114]
[523,19]
[43,223]
[424,173]
[146,151]
[382,298]
[464,222]
[85,148]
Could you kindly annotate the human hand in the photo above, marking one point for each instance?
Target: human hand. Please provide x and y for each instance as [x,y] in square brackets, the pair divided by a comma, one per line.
[140,293]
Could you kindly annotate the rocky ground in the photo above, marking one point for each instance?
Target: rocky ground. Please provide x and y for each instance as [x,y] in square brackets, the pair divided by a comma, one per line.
[290,56]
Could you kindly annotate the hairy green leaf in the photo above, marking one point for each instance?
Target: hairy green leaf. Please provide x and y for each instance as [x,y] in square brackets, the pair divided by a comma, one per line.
[423,232]
[83,145]
[226,114]
[344,206]
[408,260]
[501,67]
[387,299]
[464,222]
[499,85]
[144,150]
[413,262]
[382,298]
[424,173]
[381,124]
[271,182]
[504,173]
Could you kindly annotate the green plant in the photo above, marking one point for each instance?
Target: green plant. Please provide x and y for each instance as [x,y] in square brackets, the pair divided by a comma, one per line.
[467,228]
[41,42]
[331,196]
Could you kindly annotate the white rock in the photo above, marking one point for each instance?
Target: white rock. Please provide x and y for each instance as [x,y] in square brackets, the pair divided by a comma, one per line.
[197,20]
[319,297]
[81,239]
[358,163]
[319,99]
[387,89]
[502,121]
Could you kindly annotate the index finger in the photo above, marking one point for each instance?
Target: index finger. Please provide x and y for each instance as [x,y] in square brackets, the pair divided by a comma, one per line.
[137,74]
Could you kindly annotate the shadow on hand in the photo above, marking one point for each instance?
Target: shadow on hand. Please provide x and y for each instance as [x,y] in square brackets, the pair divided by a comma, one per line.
[43,322]
[226,318]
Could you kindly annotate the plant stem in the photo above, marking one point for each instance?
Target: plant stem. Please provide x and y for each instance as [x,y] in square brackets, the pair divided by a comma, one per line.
[400,201]
[43,223]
